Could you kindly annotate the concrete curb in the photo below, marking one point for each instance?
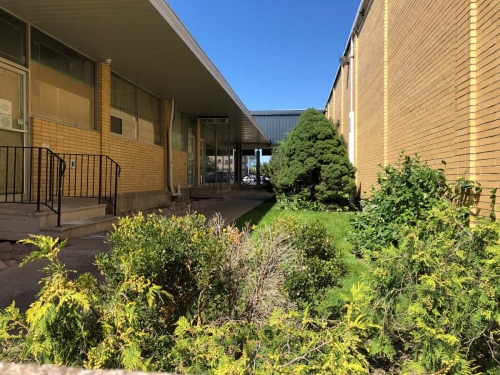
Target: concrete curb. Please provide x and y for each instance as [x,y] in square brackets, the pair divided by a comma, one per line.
[22,369]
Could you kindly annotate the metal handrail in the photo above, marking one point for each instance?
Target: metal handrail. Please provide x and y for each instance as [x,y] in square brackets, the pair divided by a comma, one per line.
[37,175]
[92,176]
[45,173]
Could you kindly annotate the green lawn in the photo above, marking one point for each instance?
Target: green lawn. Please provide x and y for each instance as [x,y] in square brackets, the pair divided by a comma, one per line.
[337,224]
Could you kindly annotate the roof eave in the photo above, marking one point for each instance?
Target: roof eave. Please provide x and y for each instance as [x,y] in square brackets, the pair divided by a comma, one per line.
[168,14]
[359,16]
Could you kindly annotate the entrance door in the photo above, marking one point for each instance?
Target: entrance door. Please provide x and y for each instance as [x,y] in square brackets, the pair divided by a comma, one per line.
[12,129]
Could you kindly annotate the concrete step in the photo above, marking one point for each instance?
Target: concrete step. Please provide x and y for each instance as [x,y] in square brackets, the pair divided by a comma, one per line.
[71,214]
[82,228]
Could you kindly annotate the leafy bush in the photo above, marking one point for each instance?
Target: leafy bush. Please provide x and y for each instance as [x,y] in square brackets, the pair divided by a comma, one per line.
[406,192]
[180,254]
[77,323]
[318,267]
[164,275]
[312,162]
[438,294]
[287,343]
[298,202]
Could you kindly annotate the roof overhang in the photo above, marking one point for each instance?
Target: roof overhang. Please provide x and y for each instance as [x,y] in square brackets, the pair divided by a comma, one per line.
[148,45]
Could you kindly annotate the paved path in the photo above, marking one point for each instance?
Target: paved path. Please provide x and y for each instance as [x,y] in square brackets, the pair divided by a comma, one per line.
[235,206]
[21,283]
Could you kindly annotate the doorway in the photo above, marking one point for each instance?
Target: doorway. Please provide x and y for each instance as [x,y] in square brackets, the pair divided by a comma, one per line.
[12,129]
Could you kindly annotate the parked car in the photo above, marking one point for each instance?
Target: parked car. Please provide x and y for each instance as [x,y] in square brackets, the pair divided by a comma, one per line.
[252,179]
[220,176]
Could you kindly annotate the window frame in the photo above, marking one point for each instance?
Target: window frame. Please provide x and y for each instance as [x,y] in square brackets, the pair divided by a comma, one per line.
[185,129]
[137,89]
[30,27]
[27,42]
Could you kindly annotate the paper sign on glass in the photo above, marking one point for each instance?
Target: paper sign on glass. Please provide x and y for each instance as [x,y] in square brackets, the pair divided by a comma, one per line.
[5,113]
[5,107]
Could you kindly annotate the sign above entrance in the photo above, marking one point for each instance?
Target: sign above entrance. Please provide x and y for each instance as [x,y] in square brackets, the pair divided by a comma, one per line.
[214,120]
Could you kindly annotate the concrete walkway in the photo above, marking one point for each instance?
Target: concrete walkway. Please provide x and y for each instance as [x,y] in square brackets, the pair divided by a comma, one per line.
[22,283]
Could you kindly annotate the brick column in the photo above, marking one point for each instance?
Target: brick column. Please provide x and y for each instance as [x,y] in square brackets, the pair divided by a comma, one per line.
[103,105]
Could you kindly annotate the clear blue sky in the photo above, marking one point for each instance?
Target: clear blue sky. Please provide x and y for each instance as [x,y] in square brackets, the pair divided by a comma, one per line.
[275,54]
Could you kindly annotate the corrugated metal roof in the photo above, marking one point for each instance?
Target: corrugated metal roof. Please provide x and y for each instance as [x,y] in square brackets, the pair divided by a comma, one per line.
[281,112]
[276,124]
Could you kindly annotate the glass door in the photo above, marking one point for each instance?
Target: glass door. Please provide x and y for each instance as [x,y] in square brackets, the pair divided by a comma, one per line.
[12,129]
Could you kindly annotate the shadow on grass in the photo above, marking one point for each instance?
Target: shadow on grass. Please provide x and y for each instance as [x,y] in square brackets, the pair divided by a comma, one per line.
[255,216]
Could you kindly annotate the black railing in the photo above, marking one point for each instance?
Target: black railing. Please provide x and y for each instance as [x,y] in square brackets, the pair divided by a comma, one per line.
[33,175]
[36,175]
[91,176]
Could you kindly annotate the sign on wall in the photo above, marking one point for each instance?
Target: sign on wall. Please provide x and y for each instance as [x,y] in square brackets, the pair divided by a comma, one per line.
[5,113]
[214,120]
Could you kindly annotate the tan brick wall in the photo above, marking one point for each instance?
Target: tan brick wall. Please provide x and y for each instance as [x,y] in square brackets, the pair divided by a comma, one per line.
[370,92]
[423,80]
[338,103]
[345,87]
[179,169]
[427,82]
[330,107]
[142,165]
[488,95]
[103,105]
[64,139]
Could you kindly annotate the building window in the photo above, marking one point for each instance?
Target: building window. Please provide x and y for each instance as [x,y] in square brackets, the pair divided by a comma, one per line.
[135,113]
[182,124]
[116,125]
[149,118]
[123,107]
[13,40]
[62,82]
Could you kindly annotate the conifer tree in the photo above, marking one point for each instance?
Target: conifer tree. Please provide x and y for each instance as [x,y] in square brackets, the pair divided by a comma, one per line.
[315,162]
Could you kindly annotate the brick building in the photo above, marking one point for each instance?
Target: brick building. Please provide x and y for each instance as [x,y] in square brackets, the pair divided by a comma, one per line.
[422,76]
[93,89]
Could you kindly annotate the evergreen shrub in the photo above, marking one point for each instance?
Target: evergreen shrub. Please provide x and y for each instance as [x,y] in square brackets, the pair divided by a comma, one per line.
[174,285]
[312,163]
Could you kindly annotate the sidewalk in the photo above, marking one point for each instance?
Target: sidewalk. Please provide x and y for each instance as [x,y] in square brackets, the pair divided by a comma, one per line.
[21,284]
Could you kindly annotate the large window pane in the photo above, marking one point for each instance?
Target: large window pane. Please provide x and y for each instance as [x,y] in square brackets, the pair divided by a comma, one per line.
[13,38]
[123,96]
[149,118]
[62,82]
[123,107]
[179,131]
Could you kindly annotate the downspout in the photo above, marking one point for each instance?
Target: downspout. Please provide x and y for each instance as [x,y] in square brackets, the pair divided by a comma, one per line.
[172,192]
[352,127]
